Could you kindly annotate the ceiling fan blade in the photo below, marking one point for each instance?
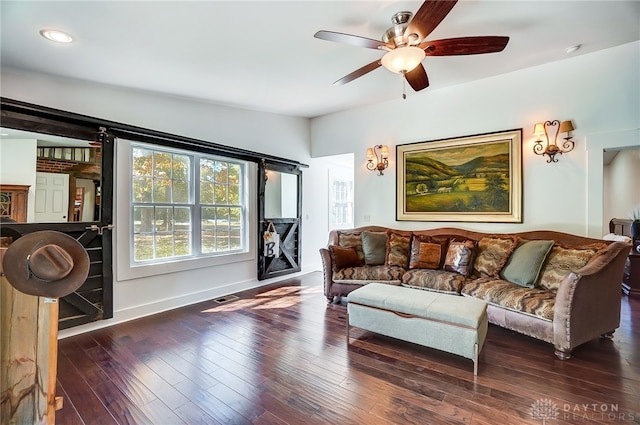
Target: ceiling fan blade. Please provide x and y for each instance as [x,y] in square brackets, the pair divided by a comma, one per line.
[358,73]
[427,18]
[354,40]
[417,78]
[465,45]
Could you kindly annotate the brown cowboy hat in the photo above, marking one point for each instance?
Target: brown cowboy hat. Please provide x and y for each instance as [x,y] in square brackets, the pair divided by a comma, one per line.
[46,264]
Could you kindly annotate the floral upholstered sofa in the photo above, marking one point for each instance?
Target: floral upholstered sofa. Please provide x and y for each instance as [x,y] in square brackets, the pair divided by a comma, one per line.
[563,289]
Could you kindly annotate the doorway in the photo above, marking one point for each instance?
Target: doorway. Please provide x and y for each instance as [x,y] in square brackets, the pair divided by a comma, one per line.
[621,180]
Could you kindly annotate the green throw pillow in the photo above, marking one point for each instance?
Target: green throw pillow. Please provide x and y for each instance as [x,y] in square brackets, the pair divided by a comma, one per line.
[525,263]
[374,246]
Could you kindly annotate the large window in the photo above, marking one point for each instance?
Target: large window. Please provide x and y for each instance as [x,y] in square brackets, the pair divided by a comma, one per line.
[185,204]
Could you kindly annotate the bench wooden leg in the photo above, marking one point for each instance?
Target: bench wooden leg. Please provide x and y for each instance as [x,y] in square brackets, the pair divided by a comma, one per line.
[475,359]
[347,327]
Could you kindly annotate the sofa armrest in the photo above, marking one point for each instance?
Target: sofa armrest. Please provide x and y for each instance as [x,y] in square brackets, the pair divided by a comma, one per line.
[327,268]
[588,301]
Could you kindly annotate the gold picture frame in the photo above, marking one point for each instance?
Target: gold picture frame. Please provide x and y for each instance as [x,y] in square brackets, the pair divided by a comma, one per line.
[473,179]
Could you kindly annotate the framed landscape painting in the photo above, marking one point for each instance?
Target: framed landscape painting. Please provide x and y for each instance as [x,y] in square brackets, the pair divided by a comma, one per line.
[473,178]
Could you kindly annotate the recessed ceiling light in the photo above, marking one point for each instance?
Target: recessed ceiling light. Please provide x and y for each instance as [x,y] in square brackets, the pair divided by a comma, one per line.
[572,49]
[56,35]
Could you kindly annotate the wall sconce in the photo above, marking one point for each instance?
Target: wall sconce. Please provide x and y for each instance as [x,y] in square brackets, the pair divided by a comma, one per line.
[377,162]
[552,149]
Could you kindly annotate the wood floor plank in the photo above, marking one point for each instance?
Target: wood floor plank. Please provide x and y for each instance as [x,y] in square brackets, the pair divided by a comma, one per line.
[268,418]
[123,375]
[191,414]
[121,408]
[159,413]
[212,406]
[279,355]
[244,404]
[194,374]
[80,395]
[68,415]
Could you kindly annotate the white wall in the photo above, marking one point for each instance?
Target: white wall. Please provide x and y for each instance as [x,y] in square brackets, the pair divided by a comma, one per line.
[271,134]
[598,91]
[622,186]
[21,172]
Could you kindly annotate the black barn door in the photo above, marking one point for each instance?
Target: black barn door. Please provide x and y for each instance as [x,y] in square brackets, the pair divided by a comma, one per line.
[280,203]
[58,130]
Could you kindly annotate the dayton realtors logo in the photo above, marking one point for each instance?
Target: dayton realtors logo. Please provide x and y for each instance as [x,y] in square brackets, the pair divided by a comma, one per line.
[544,409]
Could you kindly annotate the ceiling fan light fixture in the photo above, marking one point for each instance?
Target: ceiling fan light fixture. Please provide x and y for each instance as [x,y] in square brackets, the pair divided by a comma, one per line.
[56,35]
[403,59]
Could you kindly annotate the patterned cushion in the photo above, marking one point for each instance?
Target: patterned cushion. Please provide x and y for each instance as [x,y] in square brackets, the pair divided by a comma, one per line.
[424,255]
[525,263]
[398,248]
[459,257]
[353,240]
[344,257]
[434,280]
[369,273]
[492,255]
[561,261]
[427,252]
[535,302]
[374,247]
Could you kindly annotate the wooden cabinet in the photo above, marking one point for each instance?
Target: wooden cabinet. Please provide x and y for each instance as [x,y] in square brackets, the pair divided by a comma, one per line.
[13,202]
[631,276]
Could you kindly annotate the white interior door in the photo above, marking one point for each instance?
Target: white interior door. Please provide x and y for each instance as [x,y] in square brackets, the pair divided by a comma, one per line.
[52,197]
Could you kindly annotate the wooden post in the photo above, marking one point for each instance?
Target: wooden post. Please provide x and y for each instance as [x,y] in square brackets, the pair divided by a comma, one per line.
[29,356]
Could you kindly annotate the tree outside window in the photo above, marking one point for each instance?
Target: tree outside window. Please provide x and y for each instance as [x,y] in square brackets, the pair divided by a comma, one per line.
[173,216]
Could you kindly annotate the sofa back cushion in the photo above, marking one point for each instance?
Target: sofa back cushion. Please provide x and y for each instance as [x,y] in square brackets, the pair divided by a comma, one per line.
[398,247]
[344,257]
[525,263]
[374,247]
[352,240]
[563,260]
[492,254]
[460,255]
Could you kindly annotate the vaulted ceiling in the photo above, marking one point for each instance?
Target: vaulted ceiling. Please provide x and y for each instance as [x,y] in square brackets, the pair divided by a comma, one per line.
[262,55]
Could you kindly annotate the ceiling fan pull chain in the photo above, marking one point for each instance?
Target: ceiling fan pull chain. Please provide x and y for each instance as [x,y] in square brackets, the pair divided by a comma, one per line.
[404,85]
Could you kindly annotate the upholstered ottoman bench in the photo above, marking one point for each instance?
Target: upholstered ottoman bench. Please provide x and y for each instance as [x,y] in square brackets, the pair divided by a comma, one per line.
[450,323]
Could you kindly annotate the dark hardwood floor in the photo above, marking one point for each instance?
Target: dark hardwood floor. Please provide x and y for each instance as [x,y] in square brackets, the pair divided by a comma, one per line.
[278,355]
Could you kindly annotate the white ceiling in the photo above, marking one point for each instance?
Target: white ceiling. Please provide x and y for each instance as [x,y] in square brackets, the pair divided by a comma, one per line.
[262,55]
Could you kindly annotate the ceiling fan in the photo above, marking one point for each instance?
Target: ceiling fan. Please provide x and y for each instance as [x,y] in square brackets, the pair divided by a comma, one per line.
[405,45]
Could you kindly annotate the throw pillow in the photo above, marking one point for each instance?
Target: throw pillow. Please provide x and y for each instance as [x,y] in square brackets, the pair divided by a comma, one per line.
[344,257]
[459,257]
[492,254]
[427,252]
[398,247]
[560,262]
[351,240]
[374,247]
[525,263]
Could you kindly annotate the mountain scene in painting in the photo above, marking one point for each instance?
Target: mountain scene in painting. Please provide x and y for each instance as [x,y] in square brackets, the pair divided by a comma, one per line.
[461,179]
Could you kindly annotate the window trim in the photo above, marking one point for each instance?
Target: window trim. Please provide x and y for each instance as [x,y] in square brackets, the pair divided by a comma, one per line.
[124,224]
